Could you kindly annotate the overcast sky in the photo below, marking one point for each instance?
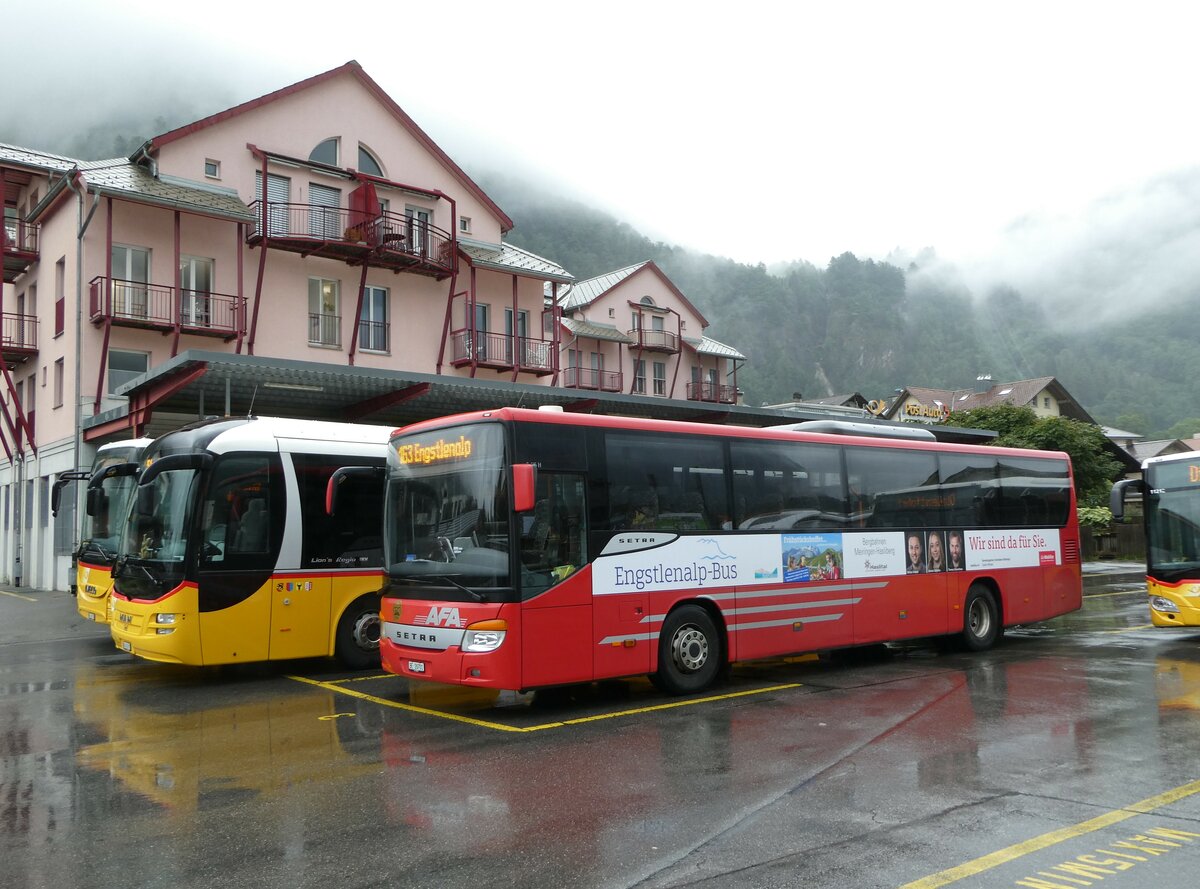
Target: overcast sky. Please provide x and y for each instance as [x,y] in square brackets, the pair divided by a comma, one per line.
[762,131]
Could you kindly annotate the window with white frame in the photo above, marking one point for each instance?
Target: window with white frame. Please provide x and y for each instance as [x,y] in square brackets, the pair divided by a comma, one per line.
[660,378]
[326,152]
[367,162]
[195,293]
[130,277]
[324,320]
[212,168]
[124,366]
[324,211]
[464,224]
[417,222]
[639,377]
[373,325]
[59,381]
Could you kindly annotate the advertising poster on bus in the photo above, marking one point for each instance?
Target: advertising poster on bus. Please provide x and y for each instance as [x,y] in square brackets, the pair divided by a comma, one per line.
[809,557]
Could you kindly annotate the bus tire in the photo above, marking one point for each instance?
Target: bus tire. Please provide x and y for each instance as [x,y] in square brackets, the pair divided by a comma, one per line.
[981,619]
[356,644]
[689,651]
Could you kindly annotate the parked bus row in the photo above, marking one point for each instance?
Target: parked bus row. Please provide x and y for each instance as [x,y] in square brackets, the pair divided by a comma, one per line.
[520,549]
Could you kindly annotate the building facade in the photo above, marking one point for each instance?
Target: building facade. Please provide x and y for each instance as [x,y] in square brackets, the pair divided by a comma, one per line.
[313,229]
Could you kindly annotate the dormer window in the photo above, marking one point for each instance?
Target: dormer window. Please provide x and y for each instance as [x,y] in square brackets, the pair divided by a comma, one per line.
[368,164]
[326,152]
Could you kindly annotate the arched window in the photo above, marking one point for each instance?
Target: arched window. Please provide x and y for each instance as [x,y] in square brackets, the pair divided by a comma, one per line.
[326,152]
[647,301]
[367,163]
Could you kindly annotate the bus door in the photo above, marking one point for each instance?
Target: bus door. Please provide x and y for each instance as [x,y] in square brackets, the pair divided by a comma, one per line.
[242,517]
[902,588]
[556,610]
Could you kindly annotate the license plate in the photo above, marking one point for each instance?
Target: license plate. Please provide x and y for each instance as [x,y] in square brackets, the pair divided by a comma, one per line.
[126,646]
[91,616]
[416,667]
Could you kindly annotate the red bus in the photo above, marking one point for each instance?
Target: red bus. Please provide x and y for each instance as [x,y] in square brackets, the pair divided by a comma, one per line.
[527,548]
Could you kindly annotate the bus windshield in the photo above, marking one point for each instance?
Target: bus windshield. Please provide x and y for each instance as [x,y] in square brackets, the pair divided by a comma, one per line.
[446,511]
[1173,521]
[102,530]
[154,544]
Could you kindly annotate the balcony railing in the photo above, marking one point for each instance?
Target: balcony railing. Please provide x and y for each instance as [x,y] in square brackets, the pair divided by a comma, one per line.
[389,240]
[374,335]
[714,392]
[590,378]
[324,330]
[502,351]
[20,247]
[18,336]
[157,307]
[654,340]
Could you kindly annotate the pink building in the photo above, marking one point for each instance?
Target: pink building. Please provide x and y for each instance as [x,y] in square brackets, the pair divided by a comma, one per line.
[309,253]
[633,331]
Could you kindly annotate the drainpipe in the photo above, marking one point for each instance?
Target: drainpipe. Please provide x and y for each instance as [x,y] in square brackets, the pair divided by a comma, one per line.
[77,184]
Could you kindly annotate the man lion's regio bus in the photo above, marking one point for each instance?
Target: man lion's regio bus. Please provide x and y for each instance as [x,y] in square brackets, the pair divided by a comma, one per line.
[107,500]
[1170,488]
[228,554]
[525,549]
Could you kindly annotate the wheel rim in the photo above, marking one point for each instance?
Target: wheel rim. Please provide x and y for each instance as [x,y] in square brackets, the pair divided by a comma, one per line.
[980,618]
[689,649]
[366,631]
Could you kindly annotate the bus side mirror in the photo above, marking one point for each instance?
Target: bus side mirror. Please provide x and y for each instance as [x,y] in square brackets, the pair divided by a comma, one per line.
[1116,498]
[95,502]
[524,486]
[64,479]
[344,474]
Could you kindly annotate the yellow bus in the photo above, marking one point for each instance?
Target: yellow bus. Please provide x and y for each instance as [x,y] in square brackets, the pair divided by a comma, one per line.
[109,491]
[228,554]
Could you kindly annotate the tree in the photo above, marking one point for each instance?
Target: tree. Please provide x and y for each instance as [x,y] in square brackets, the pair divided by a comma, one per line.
[1020,427]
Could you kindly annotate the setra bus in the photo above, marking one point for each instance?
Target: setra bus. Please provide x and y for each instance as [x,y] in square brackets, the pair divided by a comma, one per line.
[1170,489]
[228,554]
[526,548]
[91,561]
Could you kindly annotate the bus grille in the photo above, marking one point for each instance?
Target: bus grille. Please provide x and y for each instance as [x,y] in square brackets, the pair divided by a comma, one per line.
[1070,551]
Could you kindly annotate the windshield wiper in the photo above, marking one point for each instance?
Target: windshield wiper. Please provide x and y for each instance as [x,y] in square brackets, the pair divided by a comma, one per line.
[105,554]
[427,578]
[121,564]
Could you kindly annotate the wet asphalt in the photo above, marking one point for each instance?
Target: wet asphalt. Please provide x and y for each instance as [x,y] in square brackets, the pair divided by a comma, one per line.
[1064,757]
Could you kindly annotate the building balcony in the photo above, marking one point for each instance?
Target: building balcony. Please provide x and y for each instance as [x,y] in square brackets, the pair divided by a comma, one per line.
[502,351]
[20,247]
[712,392]
[654,340]
[18,337]
[155,307]
[592,379]
[389,240]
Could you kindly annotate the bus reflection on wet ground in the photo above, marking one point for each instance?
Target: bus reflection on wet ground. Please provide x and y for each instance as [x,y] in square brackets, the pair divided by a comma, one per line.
[872,768]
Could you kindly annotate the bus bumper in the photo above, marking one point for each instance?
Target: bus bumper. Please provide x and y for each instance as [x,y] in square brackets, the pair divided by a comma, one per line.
[1174,605]
[164,631]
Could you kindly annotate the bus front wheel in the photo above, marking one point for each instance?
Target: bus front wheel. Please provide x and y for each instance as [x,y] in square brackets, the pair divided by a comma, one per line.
[689,651]
[357,641]
[981,619]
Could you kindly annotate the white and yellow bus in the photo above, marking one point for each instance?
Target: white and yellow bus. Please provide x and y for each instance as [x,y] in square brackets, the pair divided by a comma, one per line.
[228,554]
[109,490]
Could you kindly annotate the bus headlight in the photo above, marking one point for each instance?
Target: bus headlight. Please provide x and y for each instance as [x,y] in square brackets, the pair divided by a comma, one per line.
[1159,603]
[164,618]
[487,635]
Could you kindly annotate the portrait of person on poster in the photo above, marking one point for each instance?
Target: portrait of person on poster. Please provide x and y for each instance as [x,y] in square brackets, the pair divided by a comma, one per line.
[937,553]
[954,547]
[916,553]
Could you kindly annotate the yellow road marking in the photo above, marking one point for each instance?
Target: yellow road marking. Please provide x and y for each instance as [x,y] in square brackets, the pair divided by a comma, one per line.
[1046,840]
[17,596]
[1130,629]
[483,723]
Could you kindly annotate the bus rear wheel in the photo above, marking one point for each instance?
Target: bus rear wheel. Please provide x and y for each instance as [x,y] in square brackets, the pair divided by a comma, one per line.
[689,651]
[357,642]
[981,619]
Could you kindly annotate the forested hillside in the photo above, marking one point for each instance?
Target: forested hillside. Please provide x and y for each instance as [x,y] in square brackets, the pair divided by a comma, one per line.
[871,327]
